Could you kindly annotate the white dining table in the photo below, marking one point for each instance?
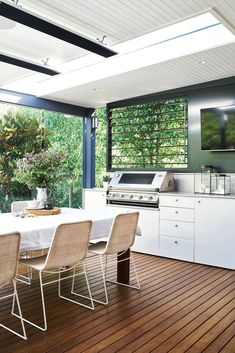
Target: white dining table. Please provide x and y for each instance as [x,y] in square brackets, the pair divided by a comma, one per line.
[37,232]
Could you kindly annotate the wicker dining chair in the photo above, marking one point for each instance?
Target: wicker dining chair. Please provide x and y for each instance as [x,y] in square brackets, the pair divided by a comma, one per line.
[68,249]
[18,207]
[9,254]
[120,240]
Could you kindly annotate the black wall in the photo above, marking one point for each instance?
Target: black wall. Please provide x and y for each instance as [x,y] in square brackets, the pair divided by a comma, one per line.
[206,95]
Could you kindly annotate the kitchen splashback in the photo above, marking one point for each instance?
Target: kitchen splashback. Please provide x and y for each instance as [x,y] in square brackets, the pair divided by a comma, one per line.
[184,182]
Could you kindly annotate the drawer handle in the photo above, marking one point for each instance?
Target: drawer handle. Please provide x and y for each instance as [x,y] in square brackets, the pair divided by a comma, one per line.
[176,241]
[176,212]
[176,226]
[176,200]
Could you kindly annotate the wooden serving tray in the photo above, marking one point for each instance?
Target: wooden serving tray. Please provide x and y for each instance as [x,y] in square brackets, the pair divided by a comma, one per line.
[42,212]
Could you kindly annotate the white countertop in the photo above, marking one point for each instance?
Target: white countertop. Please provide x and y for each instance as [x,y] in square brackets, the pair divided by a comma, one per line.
[187,194]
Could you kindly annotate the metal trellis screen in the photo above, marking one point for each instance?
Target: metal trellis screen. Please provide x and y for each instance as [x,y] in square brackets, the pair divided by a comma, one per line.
[148,136]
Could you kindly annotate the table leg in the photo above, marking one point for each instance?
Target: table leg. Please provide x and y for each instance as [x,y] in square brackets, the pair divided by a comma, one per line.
[123,268]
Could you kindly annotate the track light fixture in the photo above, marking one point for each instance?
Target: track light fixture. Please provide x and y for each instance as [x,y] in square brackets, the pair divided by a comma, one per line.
[27,65]
[25,18]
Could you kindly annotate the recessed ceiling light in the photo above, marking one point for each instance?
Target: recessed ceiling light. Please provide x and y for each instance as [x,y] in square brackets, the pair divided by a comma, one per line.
[202,62]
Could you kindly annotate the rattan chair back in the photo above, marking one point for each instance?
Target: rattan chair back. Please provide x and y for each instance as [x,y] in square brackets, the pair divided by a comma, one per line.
[122,234]
[69,244]
[9,255]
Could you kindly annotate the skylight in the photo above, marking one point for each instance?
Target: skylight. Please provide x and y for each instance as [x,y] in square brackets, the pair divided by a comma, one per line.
[193,35]
[178,29]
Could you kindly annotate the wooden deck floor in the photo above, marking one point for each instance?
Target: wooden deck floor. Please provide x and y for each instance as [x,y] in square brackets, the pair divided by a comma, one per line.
[181,307]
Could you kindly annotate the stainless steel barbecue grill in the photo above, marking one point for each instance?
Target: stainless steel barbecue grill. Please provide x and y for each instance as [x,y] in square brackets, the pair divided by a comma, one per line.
[139,188]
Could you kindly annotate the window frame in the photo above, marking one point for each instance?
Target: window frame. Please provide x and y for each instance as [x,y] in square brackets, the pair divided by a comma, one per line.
[157,101]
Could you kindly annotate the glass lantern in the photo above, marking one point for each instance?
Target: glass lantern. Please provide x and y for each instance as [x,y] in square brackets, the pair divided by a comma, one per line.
[203,180]
[221,184]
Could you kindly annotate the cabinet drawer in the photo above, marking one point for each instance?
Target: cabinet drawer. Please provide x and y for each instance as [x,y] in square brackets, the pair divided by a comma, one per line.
[177,228]
[176,201]
[177,248]
[178,214]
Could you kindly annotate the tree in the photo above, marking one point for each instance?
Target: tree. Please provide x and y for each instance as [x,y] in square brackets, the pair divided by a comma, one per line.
[27,130]
[149,135]
[19,133]
[66,137]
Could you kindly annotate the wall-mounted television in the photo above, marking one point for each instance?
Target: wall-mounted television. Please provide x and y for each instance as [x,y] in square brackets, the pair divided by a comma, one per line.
[218,128]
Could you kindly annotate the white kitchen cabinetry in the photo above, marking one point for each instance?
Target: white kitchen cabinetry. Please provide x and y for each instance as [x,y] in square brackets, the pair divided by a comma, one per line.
[176,248]
[177,201]
[177,227]
[215,231]
[148,242]
[191,228]
[94,199]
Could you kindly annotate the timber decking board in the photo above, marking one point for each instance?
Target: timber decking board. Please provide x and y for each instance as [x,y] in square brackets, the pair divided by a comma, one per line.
[229,347]
[181,307]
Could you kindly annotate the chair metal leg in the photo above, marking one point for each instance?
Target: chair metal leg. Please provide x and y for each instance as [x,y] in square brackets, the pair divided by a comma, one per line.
[103,273]
[44,327]
[26,279]
[73,279]
[135,273]
[73,292]
[15,297]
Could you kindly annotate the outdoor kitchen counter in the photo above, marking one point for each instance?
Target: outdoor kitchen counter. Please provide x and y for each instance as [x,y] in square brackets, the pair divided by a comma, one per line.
[198,228]
[187,194]
[186,226]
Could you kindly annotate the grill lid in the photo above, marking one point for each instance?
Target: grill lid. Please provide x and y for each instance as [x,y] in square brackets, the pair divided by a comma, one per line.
[139,181]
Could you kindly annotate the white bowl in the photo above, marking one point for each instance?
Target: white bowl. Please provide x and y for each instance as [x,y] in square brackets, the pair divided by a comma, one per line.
[33,204]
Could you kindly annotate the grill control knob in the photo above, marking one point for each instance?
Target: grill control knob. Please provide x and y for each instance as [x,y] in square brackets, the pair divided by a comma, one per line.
[150,198]
[131,196]
[140,197]
[122,195]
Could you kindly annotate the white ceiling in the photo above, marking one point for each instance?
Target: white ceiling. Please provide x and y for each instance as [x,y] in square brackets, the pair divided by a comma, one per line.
[118,20]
